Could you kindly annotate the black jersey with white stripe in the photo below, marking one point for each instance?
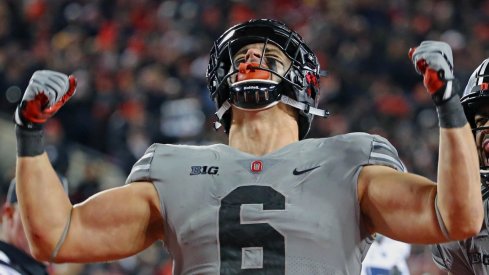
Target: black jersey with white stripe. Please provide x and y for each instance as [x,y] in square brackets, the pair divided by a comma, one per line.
[292,211]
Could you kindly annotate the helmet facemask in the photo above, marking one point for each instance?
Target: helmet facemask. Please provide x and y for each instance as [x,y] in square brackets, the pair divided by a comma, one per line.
[296,85]
[255,85]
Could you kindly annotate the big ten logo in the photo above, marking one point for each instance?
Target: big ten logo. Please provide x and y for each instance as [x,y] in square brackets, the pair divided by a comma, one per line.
[204,170]
[479,258]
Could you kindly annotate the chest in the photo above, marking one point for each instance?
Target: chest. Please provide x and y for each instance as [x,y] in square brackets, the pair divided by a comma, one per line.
[306,198]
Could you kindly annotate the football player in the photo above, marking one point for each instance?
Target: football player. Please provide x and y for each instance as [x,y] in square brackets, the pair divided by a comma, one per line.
[471,256]
[271,201]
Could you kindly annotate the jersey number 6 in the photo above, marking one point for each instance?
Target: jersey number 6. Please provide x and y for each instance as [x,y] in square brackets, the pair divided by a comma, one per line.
[265,244]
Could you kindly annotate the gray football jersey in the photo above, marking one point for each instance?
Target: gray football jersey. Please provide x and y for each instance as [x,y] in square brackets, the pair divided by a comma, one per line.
[470,256]
[292,211]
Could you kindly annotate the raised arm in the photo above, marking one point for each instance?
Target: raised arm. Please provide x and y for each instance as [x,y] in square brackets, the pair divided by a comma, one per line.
[112,224]
[411,208]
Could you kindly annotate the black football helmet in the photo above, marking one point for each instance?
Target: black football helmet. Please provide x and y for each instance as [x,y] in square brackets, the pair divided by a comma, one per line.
[298,86]
[476,94]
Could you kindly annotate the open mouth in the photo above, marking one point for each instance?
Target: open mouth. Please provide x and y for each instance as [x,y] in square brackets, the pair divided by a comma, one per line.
[252,70]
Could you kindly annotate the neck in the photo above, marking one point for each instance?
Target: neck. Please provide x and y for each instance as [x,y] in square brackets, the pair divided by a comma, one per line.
[262,132]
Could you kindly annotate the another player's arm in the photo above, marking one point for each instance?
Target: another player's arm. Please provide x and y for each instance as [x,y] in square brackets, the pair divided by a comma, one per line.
[110,225]
[402,205]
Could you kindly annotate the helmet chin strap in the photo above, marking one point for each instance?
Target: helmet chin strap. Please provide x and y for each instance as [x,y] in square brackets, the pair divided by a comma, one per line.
[303,107]
[283,98]
[220,113]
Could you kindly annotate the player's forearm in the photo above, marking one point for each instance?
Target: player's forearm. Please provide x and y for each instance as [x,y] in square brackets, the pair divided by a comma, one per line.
[459,197]
[44,204]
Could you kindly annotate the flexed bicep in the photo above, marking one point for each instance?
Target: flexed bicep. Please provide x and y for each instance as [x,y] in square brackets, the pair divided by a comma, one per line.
[113,224]
[399,205]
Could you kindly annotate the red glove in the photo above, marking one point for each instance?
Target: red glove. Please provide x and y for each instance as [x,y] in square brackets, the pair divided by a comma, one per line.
[46,93]
[434,60]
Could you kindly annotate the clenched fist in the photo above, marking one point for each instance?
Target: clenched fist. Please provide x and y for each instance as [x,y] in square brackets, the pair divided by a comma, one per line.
[46,93]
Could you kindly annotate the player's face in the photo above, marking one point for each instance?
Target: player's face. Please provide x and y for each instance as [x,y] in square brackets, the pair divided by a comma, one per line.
[12,227]
[482,136]
[270,58]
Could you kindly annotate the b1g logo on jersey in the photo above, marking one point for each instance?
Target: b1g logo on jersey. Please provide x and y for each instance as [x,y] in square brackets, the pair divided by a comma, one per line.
[479,258]
[204,170]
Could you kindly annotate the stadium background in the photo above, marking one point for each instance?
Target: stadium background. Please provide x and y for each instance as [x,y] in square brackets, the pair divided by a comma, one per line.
[141,71]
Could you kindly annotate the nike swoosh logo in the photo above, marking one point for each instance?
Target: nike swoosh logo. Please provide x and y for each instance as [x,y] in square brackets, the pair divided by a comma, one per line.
[297,172]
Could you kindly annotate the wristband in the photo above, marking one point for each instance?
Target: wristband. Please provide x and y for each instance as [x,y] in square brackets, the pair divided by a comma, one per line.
[30,143]
[447,91]
[451,113]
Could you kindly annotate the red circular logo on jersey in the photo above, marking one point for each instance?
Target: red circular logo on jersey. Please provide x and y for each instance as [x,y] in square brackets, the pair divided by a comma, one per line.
[256,166]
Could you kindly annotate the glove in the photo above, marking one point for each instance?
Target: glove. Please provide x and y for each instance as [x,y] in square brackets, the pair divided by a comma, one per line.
[46,93]
[434,60]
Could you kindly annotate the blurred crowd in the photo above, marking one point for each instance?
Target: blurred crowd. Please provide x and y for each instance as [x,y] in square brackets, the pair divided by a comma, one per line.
[141,65]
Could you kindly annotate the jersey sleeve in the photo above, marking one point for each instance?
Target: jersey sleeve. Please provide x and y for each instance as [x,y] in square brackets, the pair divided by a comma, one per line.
[441,258]
[452,257]
[141,170]
[383,153]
